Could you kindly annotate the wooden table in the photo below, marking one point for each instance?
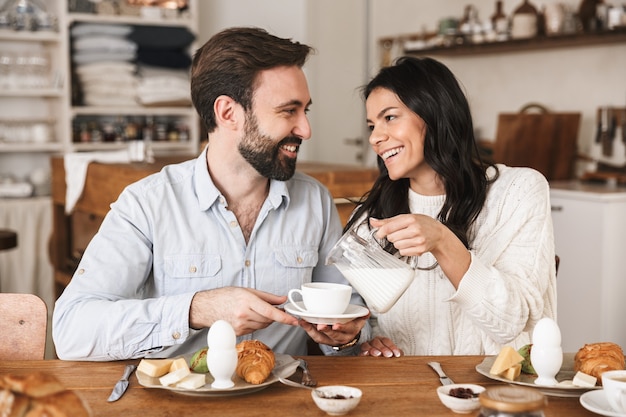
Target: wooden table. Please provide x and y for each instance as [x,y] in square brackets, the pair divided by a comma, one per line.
[391,387]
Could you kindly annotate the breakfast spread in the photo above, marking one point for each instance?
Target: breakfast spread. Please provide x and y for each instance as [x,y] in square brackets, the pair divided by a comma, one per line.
[586,366]
[37,395]
[255,362]
[596,358]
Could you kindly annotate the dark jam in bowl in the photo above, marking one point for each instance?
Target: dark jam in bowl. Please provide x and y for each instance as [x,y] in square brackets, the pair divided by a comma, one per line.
[461,392]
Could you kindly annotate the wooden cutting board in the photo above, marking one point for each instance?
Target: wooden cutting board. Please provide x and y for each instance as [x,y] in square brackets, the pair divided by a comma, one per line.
[543,140]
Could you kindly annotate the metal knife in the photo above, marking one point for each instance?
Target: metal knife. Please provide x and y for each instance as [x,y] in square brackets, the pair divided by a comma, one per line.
[120,387]
[443,378]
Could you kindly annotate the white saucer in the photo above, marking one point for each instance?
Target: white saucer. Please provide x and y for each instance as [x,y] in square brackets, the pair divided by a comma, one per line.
[353,311]
[596,402]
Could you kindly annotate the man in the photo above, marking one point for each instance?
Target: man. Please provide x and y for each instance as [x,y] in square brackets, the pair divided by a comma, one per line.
[224,236]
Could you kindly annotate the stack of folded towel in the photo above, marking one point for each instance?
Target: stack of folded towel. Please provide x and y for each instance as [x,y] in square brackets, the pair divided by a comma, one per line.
[104,61]
[123,65]
[163,61]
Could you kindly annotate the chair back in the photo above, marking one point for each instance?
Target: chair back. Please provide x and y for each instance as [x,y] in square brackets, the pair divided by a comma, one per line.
[23,325]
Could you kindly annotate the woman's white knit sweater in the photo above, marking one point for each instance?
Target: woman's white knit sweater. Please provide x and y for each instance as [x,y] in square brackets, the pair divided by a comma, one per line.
[510,284]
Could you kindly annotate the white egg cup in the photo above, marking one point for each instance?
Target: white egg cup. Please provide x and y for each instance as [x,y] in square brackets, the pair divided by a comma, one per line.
[222,354]
[222,364]
[547,362]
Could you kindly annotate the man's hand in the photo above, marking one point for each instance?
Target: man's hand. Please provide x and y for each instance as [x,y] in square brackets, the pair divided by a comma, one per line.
[246,309]
[335,335]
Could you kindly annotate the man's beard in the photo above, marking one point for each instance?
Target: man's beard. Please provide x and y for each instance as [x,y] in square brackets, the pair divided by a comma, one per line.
[264,154]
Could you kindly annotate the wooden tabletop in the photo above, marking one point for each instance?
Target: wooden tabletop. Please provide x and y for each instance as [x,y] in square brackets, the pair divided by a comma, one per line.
[391,387]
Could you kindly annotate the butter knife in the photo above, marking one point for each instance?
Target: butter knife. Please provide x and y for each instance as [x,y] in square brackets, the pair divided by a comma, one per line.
[443,378]
[120,387]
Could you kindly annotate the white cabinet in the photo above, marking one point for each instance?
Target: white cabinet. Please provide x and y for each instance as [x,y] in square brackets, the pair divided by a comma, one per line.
[40,116]
[590,238]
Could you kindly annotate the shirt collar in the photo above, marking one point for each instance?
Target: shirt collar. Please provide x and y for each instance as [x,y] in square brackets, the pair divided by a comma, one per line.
[205,189]
[208,193]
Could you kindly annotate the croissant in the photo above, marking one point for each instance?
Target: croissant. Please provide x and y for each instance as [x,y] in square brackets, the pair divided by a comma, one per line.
[255,361]
[38,395]
[596,358]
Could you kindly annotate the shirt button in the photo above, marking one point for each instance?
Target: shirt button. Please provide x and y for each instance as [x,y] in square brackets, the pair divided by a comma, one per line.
[233,224]
[193,269]
[176,335]
[299,260]
[80,271]
[222,200]
[247,262]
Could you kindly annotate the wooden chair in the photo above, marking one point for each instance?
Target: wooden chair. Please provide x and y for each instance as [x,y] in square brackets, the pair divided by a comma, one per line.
[23,325]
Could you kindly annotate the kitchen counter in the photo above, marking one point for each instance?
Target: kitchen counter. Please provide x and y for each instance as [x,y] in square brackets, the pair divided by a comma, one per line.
[589,190]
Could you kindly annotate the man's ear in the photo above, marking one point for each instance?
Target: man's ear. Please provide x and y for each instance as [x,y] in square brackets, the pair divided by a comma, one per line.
[227,112]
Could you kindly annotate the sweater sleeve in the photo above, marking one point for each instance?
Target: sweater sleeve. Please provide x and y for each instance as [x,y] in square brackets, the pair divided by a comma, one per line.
[511,282]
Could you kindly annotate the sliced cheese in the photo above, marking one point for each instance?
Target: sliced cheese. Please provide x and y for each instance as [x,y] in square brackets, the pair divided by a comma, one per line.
[155,367]
[507,358]
[584,380]
[177,364]
[513,372]
[174,376]
[192,381]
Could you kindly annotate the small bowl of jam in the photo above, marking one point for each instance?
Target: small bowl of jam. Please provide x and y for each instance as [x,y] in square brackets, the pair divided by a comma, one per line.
[460,398]
[336,400]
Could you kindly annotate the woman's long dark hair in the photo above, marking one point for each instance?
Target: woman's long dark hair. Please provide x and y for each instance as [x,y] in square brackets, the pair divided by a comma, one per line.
[431,91]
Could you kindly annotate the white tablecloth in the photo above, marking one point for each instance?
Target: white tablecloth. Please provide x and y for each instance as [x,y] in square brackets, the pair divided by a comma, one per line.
[27,268]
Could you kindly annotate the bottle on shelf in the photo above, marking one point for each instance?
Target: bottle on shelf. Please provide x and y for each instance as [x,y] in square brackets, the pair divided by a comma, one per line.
[524,21]
[470,26]
[500,23]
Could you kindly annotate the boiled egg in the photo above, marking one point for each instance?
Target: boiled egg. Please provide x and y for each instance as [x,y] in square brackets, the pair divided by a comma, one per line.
[221,336]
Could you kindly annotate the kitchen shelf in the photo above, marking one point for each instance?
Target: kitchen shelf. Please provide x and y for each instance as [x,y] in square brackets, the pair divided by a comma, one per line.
[54,103]
[523,45]
[129,20]
[182,146]
[31,92]
[27,36]
[130,111]
[30,147]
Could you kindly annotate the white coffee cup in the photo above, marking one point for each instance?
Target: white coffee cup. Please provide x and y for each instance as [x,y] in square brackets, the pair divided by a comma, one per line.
[322,297]
[614,383]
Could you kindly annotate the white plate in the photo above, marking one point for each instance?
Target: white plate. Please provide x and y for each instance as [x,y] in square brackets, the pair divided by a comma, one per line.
[284,367]
[565,374]
[353,311]
[596,402]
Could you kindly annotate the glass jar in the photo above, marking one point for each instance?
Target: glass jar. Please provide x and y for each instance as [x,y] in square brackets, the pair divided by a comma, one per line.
[511,401]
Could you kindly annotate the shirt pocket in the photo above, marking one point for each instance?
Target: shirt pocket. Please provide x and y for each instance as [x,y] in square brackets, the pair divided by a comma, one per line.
[293,267]
[192,272]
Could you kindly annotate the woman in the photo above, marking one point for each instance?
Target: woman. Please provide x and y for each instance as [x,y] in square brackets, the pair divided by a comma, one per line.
[482,233]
